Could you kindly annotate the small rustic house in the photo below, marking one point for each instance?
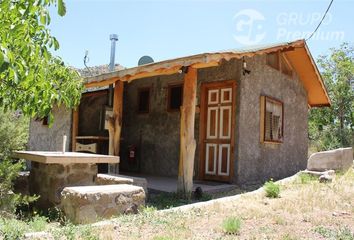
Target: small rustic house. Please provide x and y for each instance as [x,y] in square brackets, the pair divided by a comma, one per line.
[237,116]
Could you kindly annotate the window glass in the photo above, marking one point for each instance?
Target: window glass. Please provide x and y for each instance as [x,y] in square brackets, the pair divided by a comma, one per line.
[273,120]
[175,97]
[144,100]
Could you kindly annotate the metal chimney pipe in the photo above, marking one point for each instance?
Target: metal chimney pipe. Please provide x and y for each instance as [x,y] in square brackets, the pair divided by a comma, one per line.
[113,38]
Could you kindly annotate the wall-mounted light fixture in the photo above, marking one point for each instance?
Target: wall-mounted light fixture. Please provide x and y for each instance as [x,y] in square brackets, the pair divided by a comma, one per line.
[244,67]
[183,69]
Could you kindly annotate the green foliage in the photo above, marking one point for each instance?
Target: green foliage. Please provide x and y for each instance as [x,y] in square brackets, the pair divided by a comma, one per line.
[11,228]
[162,238]
[13,132]
[305,178]
[38,223]
[32,79]
[343,233]
[231,225]
[272,189]
[13,136]
[333,127]
[72,232]
[8,199]
[289,237]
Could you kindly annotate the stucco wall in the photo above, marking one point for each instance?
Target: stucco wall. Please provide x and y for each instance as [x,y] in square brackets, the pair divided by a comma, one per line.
[156,134]
[43,138]
[258,162]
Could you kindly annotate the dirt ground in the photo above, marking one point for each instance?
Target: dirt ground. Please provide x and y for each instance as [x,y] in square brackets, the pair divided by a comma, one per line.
[306,209]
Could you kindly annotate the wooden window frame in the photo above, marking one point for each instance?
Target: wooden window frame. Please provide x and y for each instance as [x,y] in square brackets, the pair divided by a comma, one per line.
[171,85]
[141,89]
[263,101]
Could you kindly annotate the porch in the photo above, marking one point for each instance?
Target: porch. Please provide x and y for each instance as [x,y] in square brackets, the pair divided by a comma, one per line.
[157,184]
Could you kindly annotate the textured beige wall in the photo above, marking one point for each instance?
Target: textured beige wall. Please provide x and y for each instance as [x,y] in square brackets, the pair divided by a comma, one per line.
[43,138]
[256,161]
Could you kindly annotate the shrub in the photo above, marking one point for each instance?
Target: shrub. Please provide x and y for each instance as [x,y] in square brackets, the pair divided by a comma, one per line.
[72,232]
[13,136]
[272,189]
[8,199]
[12,229]
[341,233]
[305,178]
[232,225]
[13,132]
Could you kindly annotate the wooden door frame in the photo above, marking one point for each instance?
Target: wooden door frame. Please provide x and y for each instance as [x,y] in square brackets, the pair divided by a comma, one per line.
[202,125]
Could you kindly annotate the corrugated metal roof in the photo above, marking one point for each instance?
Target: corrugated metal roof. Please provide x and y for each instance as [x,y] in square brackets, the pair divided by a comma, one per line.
[297,51]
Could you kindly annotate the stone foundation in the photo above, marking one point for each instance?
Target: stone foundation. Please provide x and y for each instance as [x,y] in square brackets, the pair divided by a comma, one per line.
[48,180]
[21,184]
[91,203]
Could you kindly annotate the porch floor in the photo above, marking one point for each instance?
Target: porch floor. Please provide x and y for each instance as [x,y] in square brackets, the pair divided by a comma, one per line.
[169,184]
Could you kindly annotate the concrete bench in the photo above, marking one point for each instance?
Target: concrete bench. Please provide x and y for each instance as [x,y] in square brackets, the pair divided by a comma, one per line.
[87,204]
[106,179]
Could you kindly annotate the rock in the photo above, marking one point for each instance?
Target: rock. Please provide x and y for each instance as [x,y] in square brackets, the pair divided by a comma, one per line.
[338,159]
[325,178]
[87,204]
[318,174]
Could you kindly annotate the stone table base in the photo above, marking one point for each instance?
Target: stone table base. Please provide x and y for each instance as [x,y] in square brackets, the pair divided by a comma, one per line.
[48,180]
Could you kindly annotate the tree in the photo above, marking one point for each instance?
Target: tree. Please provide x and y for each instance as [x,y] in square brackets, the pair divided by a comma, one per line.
[32,79]
[333,127]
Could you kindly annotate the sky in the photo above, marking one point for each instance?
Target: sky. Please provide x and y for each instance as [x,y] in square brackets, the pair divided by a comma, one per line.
[176,28]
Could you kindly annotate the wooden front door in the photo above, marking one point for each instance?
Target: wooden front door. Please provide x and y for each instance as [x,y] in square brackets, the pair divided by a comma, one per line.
[217,130]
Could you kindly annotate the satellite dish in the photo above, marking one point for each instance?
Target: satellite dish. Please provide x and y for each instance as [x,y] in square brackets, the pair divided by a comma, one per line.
[145,60]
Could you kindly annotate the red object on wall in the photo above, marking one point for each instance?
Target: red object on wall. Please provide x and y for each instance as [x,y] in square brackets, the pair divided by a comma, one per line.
[132,153]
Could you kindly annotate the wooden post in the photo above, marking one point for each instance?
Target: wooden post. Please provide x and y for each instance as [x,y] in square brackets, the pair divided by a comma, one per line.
[115,123]
[187,141]
[75,128]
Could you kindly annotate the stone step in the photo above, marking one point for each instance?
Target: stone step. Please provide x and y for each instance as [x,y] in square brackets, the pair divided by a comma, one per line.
[87,204]
[106,179]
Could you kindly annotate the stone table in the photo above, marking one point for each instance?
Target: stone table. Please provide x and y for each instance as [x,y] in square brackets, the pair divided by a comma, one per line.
[51,172]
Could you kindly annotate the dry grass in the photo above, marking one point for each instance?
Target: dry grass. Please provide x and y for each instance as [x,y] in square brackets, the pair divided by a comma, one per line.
[308,210]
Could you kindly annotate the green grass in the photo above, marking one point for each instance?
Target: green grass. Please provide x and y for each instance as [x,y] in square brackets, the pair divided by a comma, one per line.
[15,229]
[272,189]
[231,225]
[289,237]
[162,238]
[343,233]
[170,200]
[305,178]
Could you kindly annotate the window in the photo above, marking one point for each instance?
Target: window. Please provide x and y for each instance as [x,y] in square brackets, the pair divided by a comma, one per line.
[271,120]
[144,100]
[174,97]
[273,60]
